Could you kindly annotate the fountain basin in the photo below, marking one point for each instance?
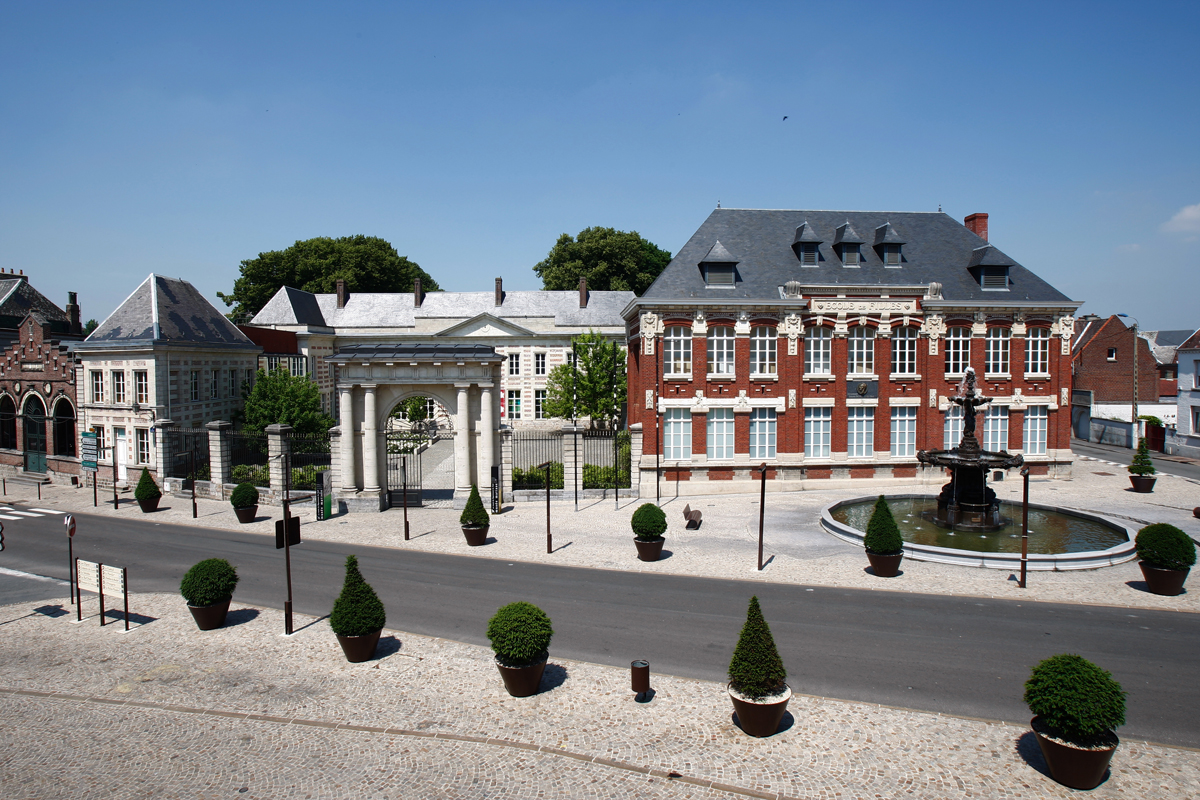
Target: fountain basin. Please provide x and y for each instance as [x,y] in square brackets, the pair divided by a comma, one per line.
[1067,539]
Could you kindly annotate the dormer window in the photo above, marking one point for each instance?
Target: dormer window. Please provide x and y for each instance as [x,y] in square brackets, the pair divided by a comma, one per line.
[991,268]
[993,279]
[849,253]
[888,242]
[891,255]
[847,241]
[808,254]
[806,245]
[719,267]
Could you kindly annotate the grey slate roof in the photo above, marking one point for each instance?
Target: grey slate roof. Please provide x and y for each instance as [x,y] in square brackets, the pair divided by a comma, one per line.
[937,248]
[374,310]
[805,233]
[1164,344]
[845,234]
[886,234]
[719,255]
[416,352]
[166,311]
[18,298]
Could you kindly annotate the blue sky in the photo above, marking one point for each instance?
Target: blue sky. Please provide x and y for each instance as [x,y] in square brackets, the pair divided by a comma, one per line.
[182,139]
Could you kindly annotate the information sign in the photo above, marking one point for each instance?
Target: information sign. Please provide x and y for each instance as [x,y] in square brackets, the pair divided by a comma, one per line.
[87,451]
[293,532]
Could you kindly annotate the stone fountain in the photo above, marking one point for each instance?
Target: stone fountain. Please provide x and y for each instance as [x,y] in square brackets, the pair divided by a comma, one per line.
[967,503]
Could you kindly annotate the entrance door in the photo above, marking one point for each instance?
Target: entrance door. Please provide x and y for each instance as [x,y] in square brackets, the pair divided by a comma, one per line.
[404,450]
[119,453]
[35,435]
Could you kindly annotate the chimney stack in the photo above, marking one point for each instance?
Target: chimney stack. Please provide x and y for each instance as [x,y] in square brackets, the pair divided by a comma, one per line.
[583,294]
[73,313]
[417,296]
[977,224]
[499,292]
[343,294]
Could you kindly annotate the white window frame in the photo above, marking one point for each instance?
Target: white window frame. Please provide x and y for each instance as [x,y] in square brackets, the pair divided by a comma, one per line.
[1112,354]
[861,351]
[720,348]
[818,431]
[118,386]
[818,351]
[1036,428]
[904,350]
[904,431]
[539,363]
[514,403]
[958,350]
[677,434]
[763,348]
[996,351]
[995,428]
[720,427]
[141,437]
[97,386]
[860,431]
[762,434]
[539,403]
[1037,351]
[141,387]
[514,363]
[677,351]
[952,428]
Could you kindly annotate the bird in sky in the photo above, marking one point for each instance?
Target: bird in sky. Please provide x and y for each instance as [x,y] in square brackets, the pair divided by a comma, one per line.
[785,117]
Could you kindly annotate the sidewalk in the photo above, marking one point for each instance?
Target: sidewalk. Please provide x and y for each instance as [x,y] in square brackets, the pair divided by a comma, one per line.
[170,711]
[796,549]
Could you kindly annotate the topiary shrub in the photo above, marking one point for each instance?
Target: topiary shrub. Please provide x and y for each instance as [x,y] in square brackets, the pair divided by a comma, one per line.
[520,634]
[1077,700]
[883,535]
[1142,465]
[146,489]
[245,495]
[209,582]
[1165,546]
[756,669]
[357,611]
[474,515]
[649,522]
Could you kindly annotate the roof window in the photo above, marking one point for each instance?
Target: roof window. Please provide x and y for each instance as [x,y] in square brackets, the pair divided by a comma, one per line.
[847,241]
[994,279]
[807,245]
[991,268]
[889,244]
[719,267]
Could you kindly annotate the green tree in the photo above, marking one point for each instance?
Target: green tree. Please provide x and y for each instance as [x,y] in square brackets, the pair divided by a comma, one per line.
[756,669]
[366,263]
[413,409]
[90,326]
[609,259]
[595,389]
[280,397]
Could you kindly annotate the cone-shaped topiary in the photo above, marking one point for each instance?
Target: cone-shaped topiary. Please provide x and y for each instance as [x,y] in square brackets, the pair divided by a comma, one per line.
[649,522]
[357,611]
[146,489]
[1165,547]
[756,669]
[245,495]
[1142,465]
[883,535]
[1079,701]
[520,634]
[474,515]
[208,582]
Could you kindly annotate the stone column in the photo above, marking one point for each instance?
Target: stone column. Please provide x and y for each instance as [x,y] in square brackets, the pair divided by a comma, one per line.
[572,451]
[462,441]
[370,441]
[278,446]
[487,435]
[219,455]
[506,463]
[346,424]
[635,458]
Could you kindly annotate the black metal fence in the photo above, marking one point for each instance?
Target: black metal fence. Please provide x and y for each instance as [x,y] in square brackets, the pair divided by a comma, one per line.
[185,448]
[605,456]
[310,456]
[248,458]
[534,447]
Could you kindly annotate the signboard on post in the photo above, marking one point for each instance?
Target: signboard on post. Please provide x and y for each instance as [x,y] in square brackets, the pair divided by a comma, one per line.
[324,494]
[495,490]
[293,533]
[93,577]
[87,451]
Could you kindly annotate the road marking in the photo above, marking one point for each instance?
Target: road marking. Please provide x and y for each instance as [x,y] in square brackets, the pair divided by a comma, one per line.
[46,510]
[28,514]
[16,574]
[6,516]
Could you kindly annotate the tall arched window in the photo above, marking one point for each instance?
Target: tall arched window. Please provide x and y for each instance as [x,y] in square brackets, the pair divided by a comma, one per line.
[720,351]
[8,423]
[64,428]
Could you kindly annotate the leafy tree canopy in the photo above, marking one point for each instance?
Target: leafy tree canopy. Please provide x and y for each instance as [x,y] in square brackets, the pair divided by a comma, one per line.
[90,326]
[366,263]
[280,397]
[611,260]
[595,389]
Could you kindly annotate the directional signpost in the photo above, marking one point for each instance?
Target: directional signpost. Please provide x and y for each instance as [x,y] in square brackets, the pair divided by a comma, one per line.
[89,461]
[69,523]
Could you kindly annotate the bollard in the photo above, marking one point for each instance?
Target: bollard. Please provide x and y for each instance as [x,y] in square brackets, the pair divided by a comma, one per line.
[639,673]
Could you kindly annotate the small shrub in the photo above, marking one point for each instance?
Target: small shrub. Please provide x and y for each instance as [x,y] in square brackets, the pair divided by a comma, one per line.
[883,535]
[208,582]
[534,478]
[1165,546]
[245,495]
[649,521]
[474,515]
[520,634]
[146,489]
[1142,465]
[257,474]
[1079,701]
[598,477]
[1153,420]
[756,669]
[357,610]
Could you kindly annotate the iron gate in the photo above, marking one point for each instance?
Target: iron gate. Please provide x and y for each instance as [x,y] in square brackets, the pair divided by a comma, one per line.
[605,458]
[533,447]
[181,445]
[404,449]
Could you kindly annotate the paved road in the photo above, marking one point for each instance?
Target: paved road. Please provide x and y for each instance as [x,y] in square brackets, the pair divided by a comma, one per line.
[1123,455]
[957,655]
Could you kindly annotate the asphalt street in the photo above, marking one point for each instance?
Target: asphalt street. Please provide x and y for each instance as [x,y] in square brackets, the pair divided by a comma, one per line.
[965,656]
[1123,455]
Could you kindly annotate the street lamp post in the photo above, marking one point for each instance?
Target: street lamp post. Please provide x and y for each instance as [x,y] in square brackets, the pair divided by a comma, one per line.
[1133,437]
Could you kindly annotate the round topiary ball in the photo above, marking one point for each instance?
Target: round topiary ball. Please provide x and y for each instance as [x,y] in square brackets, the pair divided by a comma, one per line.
[245,495]
[649,522]
[520,634]
[209,582]
[1079,701]
[1165,547]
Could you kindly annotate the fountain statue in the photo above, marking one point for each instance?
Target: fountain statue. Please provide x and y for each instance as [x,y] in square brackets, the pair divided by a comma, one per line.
[966,502]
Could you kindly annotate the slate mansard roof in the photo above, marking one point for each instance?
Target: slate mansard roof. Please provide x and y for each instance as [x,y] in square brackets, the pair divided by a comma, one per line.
[166,311]
[935,247]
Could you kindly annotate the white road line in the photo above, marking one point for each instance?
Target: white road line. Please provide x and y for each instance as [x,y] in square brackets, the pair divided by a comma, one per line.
[14,573]
[46,510]
[6,516]
[28,514]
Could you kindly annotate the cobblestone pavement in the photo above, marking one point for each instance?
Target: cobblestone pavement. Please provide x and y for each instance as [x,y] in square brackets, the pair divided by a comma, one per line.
[796,549]
[169,711]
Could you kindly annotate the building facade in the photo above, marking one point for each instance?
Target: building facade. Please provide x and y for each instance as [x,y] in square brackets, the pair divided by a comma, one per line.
[825,345]
[1185,439]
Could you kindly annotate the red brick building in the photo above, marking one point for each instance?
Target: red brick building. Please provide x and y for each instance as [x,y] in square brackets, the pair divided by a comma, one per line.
[1102,362]
[825,344]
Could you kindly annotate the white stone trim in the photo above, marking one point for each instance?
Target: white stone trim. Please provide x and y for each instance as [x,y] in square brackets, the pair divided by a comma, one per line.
[862,401]
[817,402]
[904,401]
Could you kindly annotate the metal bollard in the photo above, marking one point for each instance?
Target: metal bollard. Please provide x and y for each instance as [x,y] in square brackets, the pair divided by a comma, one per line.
[639,672]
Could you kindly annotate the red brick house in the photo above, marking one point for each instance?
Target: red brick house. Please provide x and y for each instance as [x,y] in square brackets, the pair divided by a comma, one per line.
[1102,362]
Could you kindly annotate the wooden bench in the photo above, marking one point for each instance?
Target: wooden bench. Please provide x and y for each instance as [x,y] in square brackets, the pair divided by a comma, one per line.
[694,518]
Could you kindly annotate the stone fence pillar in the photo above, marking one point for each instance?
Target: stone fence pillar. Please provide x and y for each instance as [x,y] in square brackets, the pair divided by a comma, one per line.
[219,454]
[635,458]
[506,463]
[278,444]
[572,456]
[163,452]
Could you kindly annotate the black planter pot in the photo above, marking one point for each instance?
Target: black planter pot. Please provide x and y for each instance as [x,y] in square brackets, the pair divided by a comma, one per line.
[649,549]
[149,505]
[759,719]
[885,566]
[1168,582]
[522,681]
[476,536]
[245,515]
[209,618]
[359,648]
[1074,766]
[1142,483]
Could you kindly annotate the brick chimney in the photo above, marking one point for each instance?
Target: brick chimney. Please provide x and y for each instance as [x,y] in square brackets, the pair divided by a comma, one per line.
[417,295]
[583,294]
[343,293]
[499,292]
[977,224]
[73,313]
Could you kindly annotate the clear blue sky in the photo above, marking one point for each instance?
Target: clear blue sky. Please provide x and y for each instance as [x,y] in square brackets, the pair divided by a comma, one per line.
[140,137]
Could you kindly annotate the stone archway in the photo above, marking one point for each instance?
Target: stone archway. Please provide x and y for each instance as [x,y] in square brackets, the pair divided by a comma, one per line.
[419,453]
